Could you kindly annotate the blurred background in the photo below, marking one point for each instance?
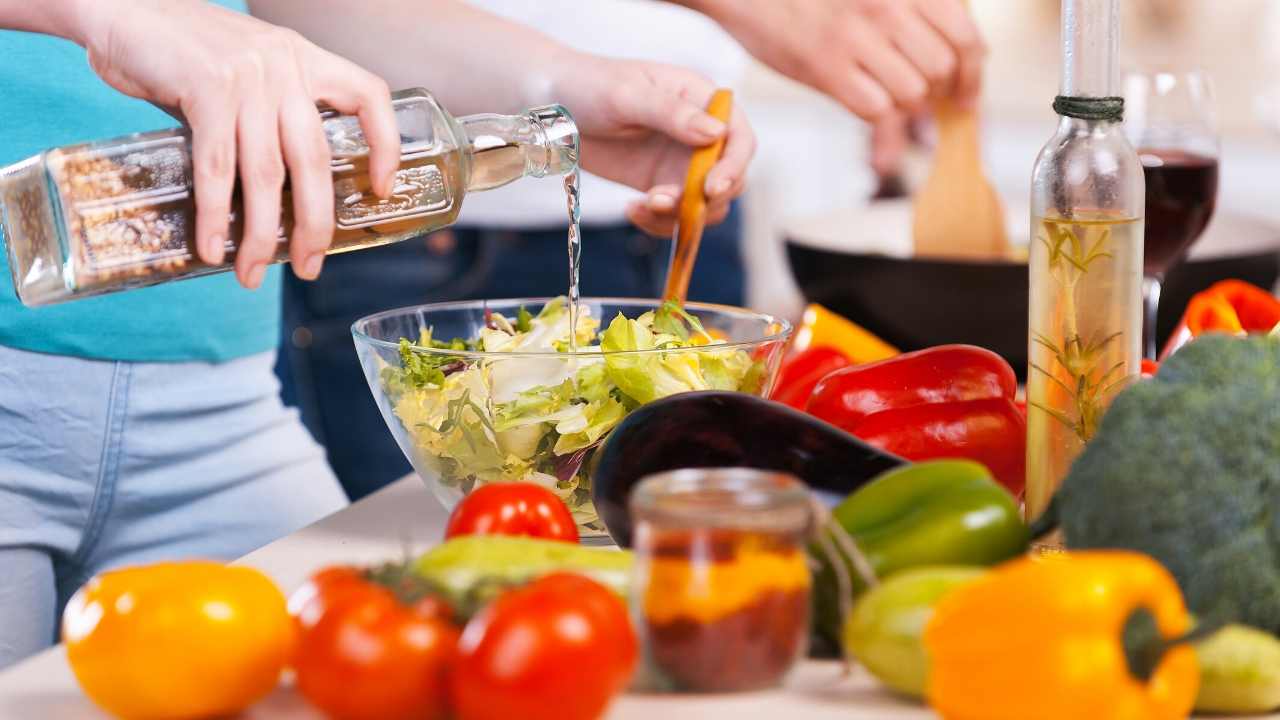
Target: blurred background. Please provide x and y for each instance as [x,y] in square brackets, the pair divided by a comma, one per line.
[1235,42]
[811,175]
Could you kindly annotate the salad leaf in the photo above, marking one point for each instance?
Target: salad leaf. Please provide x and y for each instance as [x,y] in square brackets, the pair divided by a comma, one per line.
[524,320]
[545,403]
[598,418]
[725,369]
[673,319]
[645,377]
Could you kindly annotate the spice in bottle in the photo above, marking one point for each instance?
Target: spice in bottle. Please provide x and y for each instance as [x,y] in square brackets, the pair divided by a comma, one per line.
[722,578]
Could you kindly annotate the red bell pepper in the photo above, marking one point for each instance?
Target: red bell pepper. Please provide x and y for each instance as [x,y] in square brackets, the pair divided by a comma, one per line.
[800,373]
[954,401]
[1230,306]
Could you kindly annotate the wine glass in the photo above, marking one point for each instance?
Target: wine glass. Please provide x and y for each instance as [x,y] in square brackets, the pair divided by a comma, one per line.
[1169,118]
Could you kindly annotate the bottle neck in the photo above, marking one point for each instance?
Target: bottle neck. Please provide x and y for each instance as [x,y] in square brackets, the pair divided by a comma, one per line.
[504,148]
[1090,48]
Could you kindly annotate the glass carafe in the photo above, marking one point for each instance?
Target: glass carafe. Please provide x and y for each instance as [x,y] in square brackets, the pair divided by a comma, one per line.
[1086,254]
[106,216]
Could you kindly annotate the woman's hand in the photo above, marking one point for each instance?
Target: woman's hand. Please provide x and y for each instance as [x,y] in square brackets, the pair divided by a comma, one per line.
[639,123]
[875,57]
[248,90]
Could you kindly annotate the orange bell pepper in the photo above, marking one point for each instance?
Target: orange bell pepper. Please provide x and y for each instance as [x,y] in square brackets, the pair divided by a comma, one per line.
[822,328]
[1043,638]
[1230,306]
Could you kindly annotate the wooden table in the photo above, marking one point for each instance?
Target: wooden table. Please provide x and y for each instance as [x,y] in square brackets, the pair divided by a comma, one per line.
[405,514]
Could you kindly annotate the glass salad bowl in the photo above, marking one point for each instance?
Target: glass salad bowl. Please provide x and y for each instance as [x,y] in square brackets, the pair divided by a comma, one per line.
[481,392]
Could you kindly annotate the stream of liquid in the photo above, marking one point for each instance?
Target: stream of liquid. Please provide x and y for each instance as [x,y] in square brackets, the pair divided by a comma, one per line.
[575,254]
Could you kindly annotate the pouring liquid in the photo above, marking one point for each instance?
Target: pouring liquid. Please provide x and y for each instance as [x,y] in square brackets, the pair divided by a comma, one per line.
[572,197]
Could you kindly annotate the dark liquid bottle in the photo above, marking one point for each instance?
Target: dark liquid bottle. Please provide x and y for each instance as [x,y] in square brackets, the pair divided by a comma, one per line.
[1181,191]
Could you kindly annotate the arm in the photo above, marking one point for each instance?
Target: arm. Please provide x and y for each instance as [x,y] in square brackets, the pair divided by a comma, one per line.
[876,57]
[638,120]
[248,91]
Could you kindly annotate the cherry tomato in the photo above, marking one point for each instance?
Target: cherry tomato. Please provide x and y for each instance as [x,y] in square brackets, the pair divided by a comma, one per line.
[515,508]
[362,653]
[177,640]
[322,590]
[558,649]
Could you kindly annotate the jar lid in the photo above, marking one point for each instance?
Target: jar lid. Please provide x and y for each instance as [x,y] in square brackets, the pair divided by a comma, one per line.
[728,498]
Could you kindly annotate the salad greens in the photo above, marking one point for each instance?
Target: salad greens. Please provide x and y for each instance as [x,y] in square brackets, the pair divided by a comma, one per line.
[537,415]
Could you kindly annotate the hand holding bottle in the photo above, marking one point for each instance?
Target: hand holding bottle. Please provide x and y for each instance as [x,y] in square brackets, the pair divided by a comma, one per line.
[248,91]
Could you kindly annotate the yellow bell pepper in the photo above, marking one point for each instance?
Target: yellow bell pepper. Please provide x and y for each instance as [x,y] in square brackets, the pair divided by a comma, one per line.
[822,328]
[1043,639]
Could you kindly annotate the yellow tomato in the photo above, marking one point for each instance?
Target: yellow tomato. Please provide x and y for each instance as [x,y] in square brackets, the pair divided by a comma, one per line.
[175,641]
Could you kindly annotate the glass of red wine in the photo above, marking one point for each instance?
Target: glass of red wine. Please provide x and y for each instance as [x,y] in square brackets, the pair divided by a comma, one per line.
[1169,118]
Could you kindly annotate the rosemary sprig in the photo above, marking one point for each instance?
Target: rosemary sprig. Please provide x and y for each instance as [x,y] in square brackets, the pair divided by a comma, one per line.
[1087,388]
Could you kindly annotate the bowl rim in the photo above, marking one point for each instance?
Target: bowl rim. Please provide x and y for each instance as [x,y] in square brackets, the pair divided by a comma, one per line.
[785,326]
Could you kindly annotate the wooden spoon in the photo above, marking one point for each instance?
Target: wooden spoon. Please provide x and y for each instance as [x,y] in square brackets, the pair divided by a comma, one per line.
[692,216]
[957,212]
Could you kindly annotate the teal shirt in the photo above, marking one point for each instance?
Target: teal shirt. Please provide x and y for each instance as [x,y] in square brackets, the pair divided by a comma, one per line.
[49,97]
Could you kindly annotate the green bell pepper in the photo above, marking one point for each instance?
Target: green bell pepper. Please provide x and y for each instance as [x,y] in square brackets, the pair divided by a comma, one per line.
[944,512]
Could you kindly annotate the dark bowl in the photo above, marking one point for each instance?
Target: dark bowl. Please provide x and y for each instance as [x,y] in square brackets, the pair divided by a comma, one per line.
[857,263]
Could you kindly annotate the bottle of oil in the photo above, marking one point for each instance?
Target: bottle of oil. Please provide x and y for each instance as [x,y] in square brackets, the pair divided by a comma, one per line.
[1085,254]
[106,216]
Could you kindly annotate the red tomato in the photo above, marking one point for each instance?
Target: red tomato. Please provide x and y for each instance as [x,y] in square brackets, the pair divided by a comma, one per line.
[361,653]
[557,649]
[513,509]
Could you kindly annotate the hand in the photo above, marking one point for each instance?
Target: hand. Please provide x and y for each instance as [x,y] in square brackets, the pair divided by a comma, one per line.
[639,122]
[875,57]
[248,90]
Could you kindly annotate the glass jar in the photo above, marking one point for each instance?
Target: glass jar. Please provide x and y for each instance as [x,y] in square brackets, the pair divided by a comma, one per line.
[722,579]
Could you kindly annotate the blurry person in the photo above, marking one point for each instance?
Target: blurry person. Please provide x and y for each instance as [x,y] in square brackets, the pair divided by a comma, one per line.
[147,425]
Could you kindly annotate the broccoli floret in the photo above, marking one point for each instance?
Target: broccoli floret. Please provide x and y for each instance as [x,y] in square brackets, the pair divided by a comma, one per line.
[1186,468]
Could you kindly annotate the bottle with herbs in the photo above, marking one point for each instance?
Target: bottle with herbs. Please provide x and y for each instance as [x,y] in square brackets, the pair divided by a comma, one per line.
[722,581]
[1087,200]
[116,214]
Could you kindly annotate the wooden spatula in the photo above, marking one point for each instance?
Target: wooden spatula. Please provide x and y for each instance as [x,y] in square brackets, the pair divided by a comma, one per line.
[692,216]
[957,212]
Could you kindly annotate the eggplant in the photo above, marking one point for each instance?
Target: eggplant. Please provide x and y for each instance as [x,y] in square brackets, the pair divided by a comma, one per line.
[725,429]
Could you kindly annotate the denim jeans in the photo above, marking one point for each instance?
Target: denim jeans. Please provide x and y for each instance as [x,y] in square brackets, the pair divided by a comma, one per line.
[318,367]
[105,464]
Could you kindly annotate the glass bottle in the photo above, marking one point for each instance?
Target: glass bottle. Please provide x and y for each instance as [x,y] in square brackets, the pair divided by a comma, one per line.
[101,217]
[1087,200]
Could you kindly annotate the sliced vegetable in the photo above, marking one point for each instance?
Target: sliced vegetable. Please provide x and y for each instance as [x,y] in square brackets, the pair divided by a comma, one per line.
[512,509]
[951,401]
[538,418]
[558,649]
[473,569]
[1062,637]
[947,512]
[1239,671]
[177,640]
[885,632]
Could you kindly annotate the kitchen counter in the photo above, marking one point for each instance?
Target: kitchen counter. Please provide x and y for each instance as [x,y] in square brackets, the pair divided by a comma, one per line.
[405,517]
